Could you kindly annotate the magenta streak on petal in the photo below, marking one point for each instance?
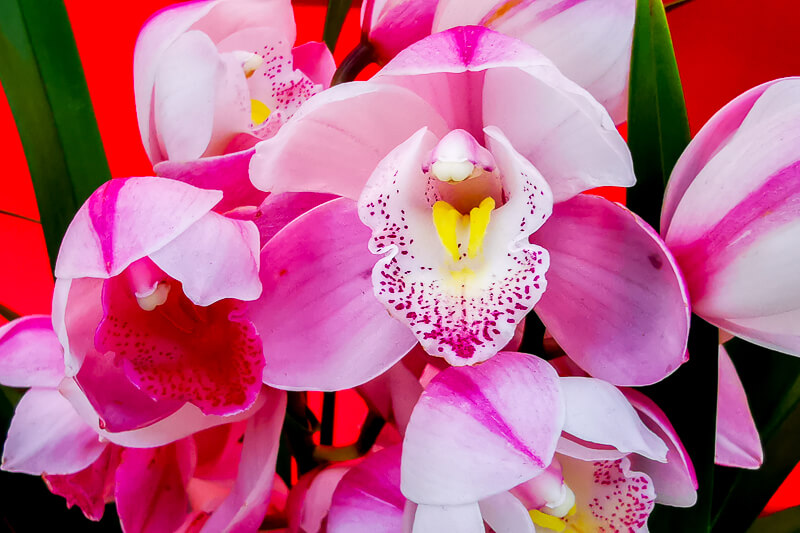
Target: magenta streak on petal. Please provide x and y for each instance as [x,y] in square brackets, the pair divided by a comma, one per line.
[762,209]
[479,407]
[467,39]
[102,214]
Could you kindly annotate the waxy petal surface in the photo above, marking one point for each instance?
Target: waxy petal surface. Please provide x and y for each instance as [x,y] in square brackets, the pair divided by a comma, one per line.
[321,325]
[435,518]
[480,430]
[738,443]
[214,259]
[675,481]
[315,61]
[30,353]
[368,497]
[505,514]
[181,423]
[616,301]
[598,412]
[246,505]
[151,487]
[47,436]
[333,143]
[209,356]
[599,61]
[90,488]
[126,219]
[227,173]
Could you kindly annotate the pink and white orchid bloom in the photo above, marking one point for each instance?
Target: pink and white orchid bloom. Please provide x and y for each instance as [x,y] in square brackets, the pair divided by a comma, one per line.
[731,216]
[598,61]
[214,480]
[522,450]
[455,153]
[150,308]
[212,78]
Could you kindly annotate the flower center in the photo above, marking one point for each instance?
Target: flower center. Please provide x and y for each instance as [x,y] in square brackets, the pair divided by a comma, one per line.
[557,517]
[451,224]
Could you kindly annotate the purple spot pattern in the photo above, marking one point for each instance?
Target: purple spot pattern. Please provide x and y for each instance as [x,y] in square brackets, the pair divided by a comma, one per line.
[210,356]
[463,328]
[288,88]
[622,500]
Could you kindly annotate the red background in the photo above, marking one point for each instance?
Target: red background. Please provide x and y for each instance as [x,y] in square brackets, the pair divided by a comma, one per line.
[722,47]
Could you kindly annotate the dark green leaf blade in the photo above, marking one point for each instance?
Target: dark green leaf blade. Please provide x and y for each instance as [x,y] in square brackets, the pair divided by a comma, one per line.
[334,20]
[658,127]
[43,80]
[772,382]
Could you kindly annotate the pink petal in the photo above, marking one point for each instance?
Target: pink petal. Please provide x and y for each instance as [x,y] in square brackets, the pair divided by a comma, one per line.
[315,61]
[503,82]
[675,481]
[91,488]
[502,418]
[151,487]
[209,356]
[738,443]
[615,300]
[731,228]
[76,314]
[214,259]
[184,95]
[228,16]
[609,495]
[393,394]
[277,210]
[245,507]
[398,24]
[156,36]
[505,514]
[715,134]
[127,219]
[598,61]
[310,499]
[335,141]
[119,405]
[30,354]
[435,519]
[368,497]
[321,325]
[598,412]
[227,173]
[182,423]
[46,435]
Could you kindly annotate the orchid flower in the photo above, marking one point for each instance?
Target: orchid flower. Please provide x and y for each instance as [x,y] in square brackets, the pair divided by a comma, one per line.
[150,308]
[213,480]
[598,61]
[522,450]
[212,78]
[731,216]
[464,157]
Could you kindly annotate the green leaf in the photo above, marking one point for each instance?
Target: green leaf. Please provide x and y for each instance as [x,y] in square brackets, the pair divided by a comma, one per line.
[658,127]
[42,76]
[334,19]
[772,382]
[786,521]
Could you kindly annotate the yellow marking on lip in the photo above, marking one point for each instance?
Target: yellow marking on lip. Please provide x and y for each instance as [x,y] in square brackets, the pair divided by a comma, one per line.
[259,112]
[478,222]
[446,218]
[545,520]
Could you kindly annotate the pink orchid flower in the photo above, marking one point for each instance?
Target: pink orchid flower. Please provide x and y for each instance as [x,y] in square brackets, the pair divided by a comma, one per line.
[218,479]
[521,446]
[464,157]
[212,78]
[150,307]
[731,216]
[599,61]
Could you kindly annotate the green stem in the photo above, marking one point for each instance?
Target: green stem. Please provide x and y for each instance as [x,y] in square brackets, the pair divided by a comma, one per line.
[357,60]
[8,313]
[21,217]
